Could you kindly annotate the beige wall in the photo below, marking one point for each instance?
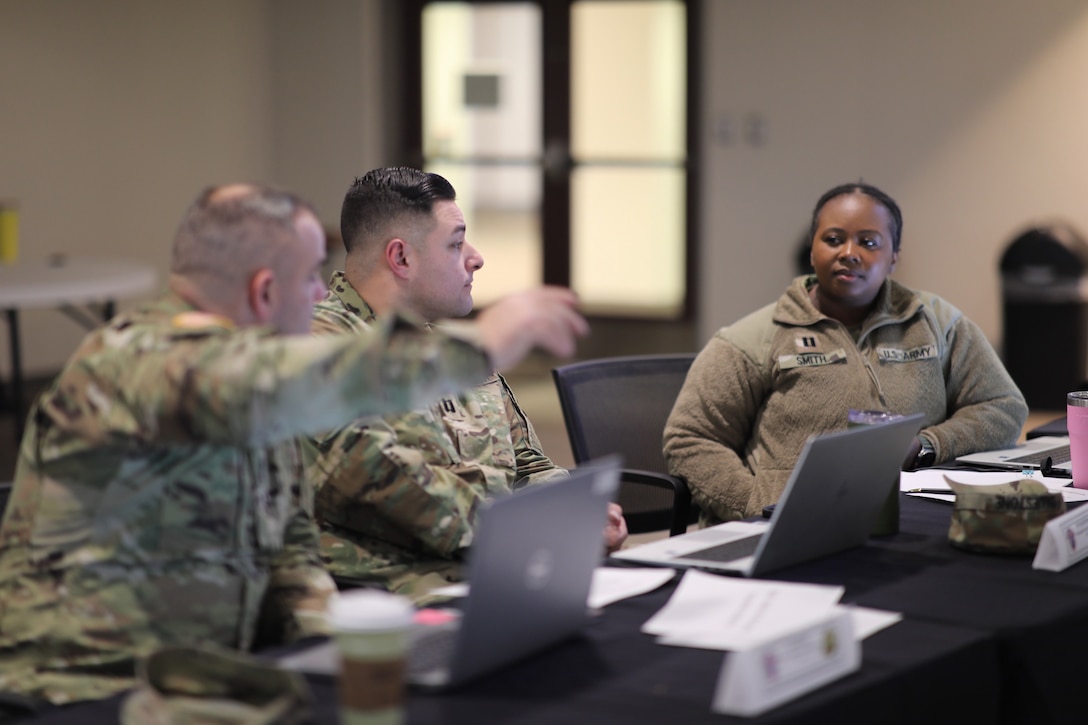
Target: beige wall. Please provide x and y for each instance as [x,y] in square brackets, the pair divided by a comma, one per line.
[112,115]
[972,113]
[327,114]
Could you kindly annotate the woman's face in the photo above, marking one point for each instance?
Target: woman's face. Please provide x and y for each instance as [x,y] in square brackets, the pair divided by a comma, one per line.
[852,252]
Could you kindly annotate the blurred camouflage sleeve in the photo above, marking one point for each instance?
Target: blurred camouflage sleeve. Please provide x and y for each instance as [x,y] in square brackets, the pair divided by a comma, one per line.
[299,587]
[252,388]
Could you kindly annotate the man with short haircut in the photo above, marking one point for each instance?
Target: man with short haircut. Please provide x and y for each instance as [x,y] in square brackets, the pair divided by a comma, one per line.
[398,498]
[159,496]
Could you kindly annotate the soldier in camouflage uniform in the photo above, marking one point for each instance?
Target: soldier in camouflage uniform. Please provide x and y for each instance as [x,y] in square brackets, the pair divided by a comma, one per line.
[397,498]
[159,496]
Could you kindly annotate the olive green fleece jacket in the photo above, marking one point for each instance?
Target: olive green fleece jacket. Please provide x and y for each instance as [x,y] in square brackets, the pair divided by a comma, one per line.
[762,386]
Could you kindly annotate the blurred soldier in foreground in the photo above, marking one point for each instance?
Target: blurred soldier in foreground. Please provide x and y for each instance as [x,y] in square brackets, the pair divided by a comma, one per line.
[398,498]
[159,497]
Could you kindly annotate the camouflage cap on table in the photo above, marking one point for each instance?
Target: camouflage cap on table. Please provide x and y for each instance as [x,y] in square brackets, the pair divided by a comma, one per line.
[1006,518]
[189,685]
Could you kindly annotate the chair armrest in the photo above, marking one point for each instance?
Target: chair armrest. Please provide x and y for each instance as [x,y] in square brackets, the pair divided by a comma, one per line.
[681,505]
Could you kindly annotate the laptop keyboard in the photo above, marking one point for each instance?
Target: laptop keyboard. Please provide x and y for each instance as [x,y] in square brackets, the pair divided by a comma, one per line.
[729,551]
[1057,455]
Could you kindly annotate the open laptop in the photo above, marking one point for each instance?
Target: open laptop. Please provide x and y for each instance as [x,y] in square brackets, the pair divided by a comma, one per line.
[530,569]
[830,503]
[1031,454]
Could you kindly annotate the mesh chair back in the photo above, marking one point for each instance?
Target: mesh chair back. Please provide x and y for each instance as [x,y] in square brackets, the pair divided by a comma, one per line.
[620,405]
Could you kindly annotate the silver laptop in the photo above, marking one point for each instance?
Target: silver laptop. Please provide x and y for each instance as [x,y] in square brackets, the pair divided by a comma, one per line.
[830,503]
[530,568]
[1031,455]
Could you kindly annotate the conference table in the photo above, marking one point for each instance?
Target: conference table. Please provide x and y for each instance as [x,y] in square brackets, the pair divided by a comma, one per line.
[85,289]
[984,639]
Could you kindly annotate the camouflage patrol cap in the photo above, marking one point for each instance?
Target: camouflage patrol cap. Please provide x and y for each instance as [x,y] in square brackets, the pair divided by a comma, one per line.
[191,685]
[1005,518]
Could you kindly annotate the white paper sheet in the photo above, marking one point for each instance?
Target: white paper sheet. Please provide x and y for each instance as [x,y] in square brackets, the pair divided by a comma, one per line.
[699,615]
[870,621]
[718,612]
[866,622]
[610,584]
[933,478]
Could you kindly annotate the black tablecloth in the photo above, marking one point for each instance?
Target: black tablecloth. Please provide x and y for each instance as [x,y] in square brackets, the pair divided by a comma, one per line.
[1038,619]
[613,674]
[985,639]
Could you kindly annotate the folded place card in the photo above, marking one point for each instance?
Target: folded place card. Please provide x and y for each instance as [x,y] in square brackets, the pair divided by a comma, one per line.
[1064,541]
[758,678]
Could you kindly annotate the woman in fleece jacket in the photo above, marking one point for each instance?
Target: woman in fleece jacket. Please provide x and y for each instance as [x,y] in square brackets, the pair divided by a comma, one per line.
[846,337]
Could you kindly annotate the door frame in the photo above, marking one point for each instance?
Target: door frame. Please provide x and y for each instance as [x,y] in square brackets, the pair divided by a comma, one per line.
[555,210]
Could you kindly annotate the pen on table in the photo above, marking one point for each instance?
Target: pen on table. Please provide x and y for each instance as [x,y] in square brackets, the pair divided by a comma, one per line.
[945,491]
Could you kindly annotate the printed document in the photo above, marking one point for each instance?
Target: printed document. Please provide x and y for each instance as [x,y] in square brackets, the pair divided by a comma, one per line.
[719,612]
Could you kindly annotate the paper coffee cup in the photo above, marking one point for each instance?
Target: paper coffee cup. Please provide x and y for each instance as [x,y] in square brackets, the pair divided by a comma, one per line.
[371,629]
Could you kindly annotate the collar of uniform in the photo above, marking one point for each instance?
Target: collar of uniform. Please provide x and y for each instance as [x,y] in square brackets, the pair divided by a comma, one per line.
[893,302]
[341,288]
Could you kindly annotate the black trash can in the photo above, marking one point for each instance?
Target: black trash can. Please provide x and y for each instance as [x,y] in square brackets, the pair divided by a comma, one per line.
[1044,278]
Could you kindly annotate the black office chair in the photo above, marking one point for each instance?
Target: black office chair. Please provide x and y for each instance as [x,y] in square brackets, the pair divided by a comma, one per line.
[619,405]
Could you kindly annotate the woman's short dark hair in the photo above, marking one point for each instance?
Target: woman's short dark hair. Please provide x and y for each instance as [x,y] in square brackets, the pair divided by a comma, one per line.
[872,192]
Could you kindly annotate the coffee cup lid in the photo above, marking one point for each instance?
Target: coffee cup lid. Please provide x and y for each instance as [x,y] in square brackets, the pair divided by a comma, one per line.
[370,610]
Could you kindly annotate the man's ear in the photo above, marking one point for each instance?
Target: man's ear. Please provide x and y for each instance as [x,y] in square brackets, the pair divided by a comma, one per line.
[262,295]
[397,255]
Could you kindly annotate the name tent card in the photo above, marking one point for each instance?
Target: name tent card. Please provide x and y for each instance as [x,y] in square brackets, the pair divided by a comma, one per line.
[1064,541]
[766,675]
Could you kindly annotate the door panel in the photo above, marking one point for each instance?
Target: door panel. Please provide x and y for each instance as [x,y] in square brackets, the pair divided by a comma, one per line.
[626,263]
[482,130]
[563,125]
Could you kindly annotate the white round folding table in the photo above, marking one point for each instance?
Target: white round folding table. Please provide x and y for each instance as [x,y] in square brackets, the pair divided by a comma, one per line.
[84,288]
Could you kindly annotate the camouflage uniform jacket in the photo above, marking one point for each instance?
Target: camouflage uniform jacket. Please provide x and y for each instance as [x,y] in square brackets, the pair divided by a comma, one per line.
[762,386]
[397,498]
[159,496]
